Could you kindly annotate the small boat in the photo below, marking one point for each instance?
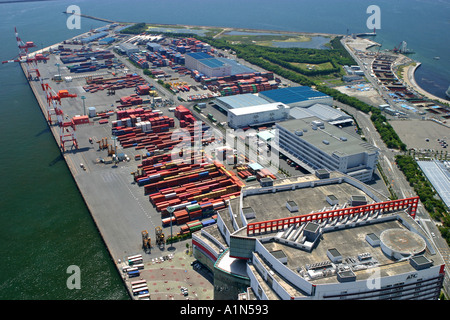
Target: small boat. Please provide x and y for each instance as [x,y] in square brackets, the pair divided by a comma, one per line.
[436,58]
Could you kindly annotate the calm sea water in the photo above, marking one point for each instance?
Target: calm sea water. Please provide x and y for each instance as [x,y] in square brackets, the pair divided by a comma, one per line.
[45,226]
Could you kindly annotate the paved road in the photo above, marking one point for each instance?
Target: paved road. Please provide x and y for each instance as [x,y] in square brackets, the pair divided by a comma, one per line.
[397,179]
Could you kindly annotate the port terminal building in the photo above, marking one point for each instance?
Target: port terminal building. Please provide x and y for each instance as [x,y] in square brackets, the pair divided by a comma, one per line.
[322,236]
[257,115]
[321,145]
[214,67]
[301,96]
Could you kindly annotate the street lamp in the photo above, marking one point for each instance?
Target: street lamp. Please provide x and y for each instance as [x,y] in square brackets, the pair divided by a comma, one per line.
[170,210]
[84,107]
[115,158]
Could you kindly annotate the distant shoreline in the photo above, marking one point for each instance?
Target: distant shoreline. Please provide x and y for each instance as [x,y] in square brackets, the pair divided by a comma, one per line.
[409,78]
[246,29]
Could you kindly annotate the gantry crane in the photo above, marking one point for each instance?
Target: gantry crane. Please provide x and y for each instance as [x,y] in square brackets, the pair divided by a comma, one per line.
[53,99]
[23,56]
[67,126]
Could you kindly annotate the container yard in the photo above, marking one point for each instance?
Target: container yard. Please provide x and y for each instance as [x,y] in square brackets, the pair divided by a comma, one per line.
[115,133]
[115,128]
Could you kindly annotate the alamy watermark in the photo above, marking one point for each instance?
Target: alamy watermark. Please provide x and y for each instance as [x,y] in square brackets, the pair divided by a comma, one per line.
[74,280]
[74,20]
[374,280]
[239,146]
[374,20]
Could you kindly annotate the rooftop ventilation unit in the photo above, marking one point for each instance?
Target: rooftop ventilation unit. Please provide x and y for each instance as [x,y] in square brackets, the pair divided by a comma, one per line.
[364,256]
[358,200]
[420,262]
[266,182]
[332,200]
[317,124]
[334,255]
[292,206]
[373,239]
[322,173]
[248,212]
[318,265]
[346,276]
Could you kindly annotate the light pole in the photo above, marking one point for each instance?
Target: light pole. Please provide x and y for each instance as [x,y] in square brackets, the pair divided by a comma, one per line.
[115,159]
[84,107]
[170,210]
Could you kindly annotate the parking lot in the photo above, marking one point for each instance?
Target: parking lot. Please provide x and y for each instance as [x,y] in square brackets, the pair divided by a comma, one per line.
[176,276]
[425,134]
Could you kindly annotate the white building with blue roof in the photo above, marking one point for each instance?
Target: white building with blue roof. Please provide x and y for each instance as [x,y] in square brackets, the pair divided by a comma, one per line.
[207,64]
[301,96]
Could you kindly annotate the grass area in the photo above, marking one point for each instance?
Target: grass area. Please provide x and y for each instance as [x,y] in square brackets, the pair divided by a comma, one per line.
[311,66]
[400,69]
[264,40]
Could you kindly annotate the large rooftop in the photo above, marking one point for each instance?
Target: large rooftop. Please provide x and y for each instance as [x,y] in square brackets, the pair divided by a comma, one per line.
[240,101]
[353,248]
[330,139]
[322,111]
[346,248]
[259,108]
[292,94]
[236,67]
[269,206]
[272,205]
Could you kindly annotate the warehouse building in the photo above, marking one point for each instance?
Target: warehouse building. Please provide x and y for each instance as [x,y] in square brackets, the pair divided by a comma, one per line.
[257,115]
[153,47]
[207,65]
[323,112]
[239,101]
[93,37]
[214,67]
[323,146]
[302,96]
[107,40]
[128,48]
[324,236]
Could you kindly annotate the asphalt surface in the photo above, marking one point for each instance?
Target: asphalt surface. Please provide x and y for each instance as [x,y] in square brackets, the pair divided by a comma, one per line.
[397,179]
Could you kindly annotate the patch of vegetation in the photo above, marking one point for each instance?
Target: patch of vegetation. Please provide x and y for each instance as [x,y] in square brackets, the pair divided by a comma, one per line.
[282,61]
[135,29]
[434,205]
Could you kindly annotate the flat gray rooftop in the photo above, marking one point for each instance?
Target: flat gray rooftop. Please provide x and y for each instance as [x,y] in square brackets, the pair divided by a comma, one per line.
[350,242]
[269,206]
[337,140]
[240,101]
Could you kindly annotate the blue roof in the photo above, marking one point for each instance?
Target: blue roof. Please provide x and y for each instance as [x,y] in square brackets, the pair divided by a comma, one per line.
[94,37]
[199,55]
[236,68]
[212,63]
[109,40]
[292,94]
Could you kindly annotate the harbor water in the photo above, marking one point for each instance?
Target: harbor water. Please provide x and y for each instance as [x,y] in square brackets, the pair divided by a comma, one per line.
[45,227]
